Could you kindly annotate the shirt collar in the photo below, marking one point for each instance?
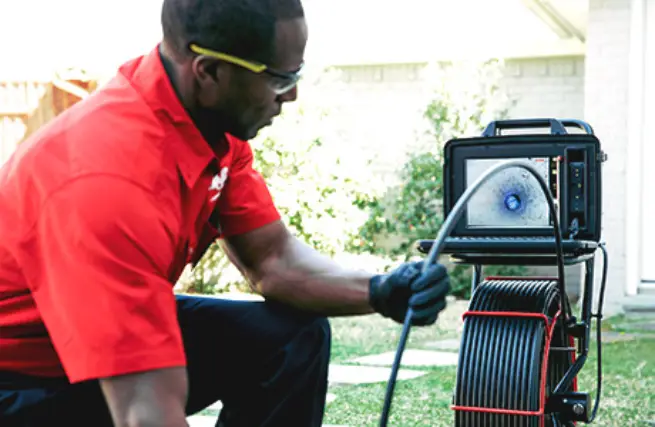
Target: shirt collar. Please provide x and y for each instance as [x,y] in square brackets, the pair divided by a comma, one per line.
[148,76]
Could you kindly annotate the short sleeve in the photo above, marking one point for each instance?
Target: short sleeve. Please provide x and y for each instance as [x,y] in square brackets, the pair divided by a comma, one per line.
[245,203]
[102,247]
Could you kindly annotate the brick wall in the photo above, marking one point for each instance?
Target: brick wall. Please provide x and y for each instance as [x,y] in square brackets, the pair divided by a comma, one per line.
[382,106]
[380,113]
[546,87]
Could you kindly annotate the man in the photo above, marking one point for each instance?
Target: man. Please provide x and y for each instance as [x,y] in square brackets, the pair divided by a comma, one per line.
[102,209]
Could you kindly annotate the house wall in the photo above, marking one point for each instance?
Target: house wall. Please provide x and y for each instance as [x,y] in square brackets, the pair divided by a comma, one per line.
[380,111]
[546,87]
[383,104]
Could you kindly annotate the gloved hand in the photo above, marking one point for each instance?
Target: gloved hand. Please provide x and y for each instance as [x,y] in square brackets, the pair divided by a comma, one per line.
[391,294]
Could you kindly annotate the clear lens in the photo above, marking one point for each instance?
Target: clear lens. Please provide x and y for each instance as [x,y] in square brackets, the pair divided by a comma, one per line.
[281,86]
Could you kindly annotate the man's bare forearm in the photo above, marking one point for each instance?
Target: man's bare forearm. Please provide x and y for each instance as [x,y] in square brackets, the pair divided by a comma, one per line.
[303,277]
[148,399]
[297,274]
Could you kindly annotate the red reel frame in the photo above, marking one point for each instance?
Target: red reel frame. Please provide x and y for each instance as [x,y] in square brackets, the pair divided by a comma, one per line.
[564,353]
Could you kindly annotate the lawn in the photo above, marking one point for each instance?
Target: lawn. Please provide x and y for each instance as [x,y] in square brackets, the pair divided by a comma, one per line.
[628,396]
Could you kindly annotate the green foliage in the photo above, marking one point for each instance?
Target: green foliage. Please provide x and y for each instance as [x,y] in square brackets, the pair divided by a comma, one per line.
[412,210]
[211,271]
[312,192]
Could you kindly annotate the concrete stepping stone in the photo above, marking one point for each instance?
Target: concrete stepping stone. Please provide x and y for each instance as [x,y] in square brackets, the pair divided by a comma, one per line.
[445,345]
[343,374]
[644,326]
[411,358]
[612,337]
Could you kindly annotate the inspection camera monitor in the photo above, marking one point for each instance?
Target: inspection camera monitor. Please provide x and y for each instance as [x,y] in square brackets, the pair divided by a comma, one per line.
[510,212]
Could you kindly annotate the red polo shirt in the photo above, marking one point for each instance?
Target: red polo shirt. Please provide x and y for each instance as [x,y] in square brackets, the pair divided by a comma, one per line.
[100,211]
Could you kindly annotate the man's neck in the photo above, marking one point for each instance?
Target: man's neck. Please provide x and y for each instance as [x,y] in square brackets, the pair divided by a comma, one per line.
[185,93]
[171,68]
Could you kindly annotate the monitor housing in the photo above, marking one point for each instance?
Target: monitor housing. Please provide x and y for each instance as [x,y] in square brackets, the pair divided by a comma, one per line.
[511,203]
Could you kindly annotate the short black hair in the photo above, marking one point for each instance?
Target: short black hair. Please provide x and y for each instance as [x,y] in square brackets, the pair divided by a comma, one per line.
[244,28]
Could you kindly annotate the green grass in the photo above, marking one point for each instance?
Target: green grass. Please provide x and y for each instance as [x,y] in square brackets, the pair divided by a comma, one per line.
[628,396]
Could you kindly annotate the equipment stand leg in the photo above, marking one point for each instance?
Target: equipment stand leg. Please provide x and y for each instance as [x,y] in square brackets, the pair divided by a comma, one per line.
[477,277]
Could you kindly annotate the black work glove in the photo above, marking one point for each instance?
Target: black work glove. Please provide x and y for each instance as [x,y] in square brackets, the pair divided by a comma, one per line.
[391,294]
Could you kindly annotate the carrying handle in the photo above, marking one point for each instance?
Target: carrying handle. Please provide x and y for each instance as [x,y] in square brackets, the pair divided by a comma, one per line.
[579,124]
[557,127]
[493,129]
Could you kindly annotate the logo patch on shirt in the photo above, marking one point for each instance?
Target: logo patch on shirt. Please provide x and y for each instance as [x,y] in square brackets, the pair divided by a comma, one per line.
[218,182]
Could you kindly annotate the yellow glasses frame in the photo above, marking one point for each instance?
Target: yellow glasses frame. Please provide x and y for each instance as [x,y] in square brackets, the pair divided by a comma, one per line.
[285,81]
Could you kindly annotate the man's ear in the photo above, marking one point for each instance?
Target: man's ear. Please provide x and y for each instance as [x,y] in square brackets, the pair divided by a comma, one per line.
[208,72]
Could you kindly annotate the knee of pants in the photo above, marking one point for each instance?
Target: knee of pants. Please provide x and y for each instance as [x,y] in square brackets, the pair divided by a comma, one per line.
[306,355]
[323,330]
[314,341]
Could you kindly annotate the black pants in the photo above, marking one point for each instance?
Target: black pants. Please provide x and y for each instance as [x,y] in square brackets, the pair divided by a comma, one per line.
[267,363]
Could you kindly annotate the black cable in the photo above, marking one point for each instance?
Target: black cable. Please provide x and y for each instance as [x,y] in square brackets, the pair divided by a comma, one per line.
[391,385]
[444,232]
[599,344]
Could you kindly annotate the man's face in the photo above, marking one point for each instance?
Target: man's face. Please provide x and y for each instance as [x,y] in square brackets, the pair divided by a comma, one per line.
[244,102]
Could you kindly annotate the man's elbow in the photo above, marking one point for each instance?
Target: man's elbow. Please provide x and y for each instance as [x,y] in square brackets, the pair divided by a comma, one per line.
[267,287]
[269,277]
[274,279]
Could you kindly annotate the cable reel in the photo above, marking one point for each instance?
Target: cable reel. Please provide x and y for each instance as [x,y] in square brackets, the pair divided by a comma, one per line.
[521,347]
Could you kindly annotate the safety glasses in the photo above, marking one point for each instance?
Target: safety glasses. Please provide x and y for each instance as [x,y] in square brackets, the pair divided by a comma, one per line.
[280,81]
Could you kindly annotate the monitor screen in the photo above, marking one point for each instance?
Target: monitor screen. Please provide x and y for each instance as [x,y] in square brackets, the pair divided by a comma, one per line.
[511,198]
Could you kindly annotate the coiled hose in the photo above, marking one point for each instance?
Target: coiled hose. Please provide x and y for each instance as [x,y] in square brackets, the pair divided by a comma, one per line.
[501,362]
[444,232]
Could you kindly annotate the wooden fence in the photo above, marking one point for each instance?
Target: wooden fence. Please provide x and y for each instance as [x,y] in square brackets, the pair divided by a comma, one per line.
[27,106]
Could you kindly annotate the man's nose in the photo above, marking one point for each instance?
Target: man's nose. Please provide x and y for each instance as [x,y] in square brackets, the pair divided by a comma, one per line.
[289,96]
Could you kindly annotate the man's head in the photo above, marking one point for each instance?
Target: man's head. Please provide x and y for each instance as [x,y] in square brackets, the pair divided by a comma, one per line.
[236,61]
